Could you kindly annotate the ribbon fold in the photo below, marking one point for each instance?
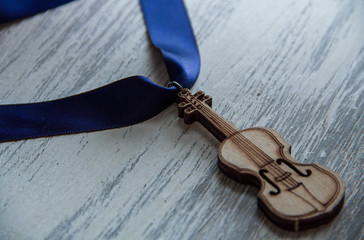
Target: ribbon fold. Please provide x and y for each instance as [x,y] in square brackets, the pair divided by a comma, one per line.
[122,103]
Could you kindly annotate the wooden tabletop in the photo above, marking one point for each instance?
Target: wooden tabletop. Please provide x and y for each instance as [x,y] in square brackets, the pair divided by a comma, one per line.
[295,66]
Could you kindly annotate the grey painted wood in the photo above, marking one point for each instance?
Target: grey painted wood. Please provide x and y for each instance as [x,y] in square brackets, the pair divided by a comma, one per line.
[295,66]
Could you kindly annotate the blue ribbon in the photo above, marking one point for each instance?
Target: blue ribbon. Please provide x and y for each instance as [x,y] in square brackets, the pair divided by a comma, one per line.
[15,9]
[122,103]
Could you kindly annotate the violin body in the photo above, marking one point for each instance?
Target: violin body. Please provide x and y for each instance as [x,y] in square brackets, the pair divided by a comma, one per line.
[297,197]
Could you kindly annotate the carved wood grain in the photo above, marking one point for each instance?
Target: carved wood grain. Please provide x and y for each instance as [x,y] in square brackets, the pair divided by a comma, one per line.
[314,201]
[295,196]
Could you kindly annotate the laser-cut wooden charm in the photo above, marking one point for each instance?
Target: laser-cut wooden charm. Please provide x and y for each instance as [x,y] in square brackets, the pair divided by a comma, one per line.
[295,196]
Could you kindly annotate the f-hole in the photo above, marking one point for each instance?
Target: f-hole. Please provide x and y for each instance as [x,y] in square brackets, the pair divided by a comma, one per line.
[290,165]
[262,173]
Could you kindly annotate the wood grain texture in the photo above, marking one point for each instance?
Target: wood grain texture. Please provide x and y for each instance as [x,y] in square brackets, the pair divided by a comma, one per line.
[295,66]
[295,196]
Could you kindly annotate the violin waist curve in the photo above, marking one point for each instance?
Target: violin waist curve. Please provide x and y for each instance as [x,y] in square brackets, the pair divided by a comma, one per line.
[296,196]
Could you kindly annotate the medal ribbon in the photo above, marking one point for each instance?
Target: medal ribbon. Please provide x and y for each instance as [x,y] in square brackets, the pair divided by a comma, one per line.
[122,103]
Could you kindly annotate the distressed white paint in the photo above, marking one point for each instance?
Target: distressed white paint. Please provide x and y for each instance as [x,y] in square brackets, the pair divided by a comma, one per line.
[296,66]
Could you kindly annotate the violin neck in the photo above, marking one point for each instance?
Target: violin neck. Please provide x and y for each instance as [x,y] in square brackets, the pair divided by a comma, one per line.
[197,107]
[216,124]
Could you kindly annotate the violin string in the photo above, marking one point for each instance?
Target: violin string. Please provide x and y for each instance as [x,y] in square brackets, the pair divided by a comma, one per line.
[263,156]
[272,165]
[229,132]
[276,170]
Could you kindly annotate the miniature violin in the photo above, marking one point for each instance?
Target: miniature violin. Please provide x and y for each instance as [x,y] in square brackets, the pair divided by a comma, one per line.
[295,196]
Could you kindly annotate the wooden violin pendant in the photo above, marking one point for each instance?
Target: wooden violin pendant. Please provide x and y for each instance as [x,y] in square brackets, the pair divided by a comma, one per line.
[295,196]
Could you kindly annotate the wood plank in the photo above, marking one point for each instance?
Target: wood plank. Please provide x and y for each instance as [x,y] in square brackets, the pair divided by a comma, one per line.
[297,67]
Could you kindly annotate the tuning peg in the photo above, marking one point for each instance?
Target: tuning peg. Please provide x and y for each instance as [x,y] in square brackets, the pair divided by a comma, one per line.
[190,115]
[199,95]
[208,100]
[181,108]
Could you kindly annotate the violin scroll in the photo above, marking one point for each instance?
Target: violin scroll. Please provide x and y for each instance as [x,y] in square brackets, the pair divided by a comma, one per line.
[189,105]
